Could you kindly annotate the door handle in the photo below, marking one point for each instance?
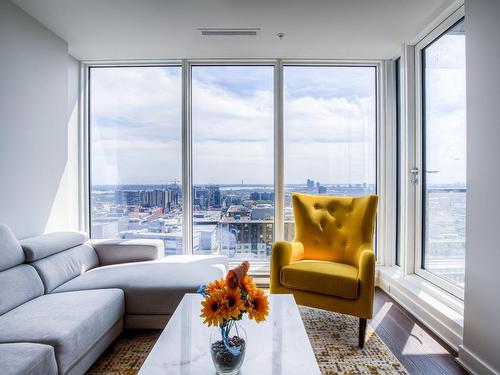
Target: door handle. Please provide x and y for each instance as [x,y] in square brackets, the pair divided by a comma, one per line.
[414,171]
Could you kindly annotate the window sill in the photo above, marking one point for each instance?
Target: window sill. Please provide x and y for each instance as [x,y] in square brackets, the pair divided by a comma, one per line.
[439,310]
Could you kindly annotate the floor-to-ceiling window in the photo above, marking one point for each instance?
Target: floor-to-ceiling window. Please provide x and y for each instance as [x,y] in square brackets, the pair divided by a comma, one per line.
[220,132]
[443,151]
[330,119]
[135,153]
[233,161]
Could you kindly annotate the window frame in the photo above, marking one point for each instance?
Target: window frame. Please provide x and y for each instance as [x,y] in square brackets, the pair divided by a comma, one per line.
[418,140]
[84,134]
[189,155]
[398,152]
[186,138]
[378,68]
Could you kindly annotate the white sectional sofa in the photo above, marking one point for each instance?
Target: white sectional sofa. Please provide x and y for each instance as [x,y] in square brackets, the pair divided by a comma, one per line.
[64,299]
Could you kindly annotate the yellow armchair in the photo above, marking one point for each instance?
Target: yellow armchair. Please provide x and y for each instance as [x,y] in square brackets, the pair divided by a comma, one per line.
[330,264]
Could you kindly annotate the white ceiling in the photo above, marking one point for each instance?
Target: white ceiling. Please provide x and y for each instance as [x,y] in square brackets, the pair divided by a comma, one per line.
[162,29]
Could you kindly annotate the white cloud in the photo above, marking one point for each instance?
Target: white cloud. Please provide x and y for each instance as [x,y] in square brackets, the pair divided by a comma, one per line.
[137,137]
[136,117]
[139,161]
[329,137]
[446,110]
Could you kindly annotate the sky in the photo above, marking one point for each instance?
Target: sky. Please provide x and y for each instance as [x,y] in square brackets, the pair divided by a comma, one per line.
[445,110]
[329,123]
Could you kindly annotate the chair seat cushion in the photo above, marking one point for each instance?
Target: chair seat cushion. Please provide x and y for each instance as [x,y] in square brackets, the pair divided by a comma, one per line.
[69,322]
[27,359]
[152,287]
[331,278]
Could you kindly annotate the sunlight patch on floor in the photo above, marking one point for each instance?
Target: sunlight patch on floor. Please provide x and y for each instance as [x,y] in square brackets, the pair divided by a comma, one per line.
[415,343]
[380,315]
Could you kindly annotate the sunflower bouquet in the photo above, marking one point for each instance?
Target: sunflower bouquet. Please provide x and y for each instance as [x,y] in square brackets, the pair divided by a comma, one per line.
[225,302]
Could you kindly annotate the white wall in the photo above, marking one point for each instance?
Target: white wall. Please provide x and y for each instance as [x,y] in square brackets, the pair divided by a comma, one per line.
[38,91]
[481,342]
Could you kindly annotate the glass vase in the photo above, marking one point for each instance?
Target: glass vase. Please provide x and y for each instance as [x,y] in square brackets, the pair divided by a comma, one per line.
[227,348]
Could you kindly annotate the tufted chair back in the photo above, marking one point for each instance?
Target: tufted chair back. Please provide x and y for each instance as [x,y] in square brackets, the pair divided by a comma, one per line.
[333,228]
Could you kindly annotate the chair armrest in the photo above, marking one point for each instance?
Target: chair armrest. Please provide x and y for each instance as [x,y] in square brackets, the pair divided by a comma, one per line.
[284,253]
[124,251]
[366,277]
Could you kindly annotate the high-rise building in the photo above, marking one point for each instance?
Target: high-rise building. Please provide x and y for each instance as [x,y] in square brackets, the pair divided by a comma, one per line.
[262,212]
[214,197]
[128,197]
[207,197]
[310,184]
[166,199]
[232,199]
[262,196]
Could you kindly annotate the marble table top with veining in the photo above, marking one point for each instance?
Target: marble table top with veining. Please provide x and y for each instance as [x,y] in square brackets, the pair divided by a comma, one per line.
[277,346]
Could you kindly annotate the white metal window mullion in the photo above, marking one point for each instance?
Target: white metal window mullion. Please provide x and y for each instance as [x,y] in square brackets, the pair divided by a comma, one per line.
[390,160]
[84,155]
[187,181]
[278,152]
[381,162]
[408,199]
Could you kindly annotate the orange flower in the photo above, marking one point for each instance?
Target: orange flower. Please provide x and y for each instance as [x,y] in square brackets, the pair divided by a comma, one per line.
[234,305]
[258,305]
[213,308]
[247,284]
[216,285]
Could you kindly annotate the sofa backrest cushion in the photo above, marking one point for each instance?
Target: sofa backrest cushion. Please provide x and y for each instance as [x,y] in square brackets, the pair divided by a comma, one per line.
[18,285]
[11,253]
[40,247]
[59,268]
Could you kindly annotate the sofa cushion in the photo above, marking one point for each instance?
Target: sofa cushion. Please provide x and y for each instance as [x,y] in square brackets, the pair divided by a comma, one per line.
[27,359]
[51,243]
[17,286]
[11,253]
[153,287]
[70,322]
[64,266]
[334,279]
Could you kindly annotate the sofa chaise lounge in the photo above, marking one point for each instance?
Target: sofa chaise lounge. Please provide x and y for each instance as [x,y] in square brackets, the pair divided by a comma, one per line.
[64,299]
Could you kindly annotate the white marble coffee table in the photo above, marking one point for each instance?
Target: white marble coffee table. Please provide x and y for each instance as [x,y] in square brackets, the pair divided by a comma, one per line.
[277,346]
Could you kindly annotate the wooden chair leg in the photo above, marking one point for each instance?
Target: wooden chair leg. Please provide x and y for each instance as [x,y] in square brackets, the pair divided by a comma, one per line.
[362,332]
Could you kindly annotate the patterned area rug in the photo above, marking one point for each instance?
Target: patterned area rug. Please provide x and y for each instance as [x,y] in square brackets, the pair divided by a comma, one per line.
[127,353]
[334,338]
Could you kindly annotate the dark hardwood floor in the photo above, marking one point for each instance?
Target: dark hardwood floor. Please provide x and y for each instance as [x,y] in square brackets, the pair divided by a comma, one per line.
[417,348]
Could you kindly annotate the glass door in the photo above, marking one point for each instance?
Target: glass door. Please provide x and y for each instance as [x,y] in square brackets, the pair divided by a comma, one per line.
[442,188]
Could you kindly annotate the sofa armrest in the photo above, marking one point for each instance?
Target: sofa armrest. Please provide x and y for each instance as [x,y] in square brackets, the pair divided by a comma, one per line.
[124,251]
[284,253]
[366,277]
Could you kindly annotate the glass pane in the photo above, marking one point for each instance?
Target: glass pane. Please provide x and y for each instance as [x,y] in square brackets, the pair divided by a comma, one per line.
[399,158]
[444,161]
[135,154]
[233,161]
[329,129]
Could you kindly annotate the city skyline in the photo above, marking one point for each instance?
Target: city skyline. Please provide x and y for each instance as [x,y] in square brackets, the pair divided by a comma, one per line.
[239,221]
